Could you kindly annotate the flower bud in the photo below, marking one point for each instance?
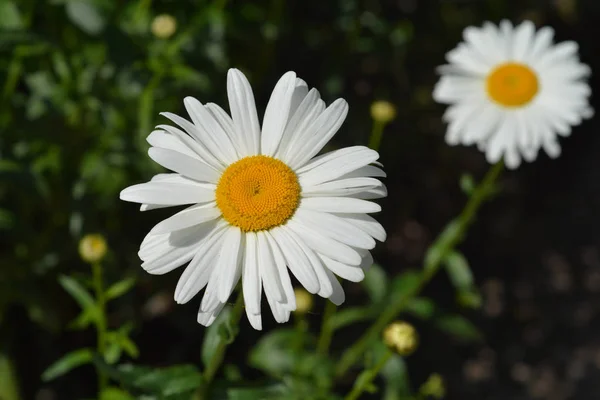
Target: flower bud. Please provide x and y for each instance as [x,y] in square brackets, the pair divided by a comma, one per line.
[383,111]
[433,387]
[164,26]
[92,248]
[401,337]
[304,301]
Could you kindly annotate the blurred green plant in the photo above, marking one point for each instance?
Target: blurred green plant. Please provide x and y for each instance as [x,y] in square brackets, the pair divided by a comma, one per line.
[110,343]
[84,82]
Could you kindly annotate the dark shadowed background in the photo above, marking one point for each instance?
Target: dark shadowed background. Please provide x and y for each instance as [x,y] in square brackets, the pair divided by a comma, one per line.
[82,89]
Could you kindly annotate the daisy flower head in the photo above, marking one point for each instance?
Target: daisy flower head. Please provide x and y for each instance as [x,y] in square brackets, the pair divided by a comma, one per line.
[262,203]
[512,91]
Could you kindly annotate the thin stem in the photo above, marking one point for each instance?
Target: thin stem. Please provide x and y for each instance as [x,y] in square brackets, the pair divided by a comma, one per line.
[326,329]
[219,354]
[481,193]
[376,135]
[361,385]
[100,322]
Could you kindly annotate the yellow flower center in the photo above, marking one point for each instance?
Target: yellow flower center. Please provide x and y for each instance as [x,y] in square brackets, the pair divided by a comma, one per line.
[512,84]
[258,193]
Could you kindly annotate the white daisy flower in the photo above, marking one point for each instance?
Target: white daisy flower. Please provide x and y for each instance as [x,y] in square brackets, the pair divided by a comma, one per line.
[262,203]
[512,91]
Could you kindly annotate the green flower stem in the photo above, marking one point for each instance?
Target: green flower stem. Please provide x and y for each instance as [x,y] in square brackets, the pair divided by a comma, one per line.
[100,321]
[376,135]
[361,384]
[217,358]
[482,192]
[326,329]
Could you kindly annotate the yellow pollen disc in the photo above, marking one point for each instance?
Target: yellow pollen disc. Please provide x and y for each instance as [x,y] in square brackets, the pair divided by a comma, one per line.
[512,84]
[258,193]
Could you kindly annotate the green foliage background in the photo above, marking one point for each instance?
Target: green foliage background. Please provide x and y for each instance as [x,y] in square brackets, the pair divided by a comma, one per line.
[82,83]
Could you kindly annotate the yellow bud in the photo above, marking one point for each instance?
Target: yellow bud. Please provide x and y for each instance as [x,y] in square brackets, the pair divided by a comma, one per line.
[401,337]
[304,301]
[383,111]
[433,387]
[92,248]
[164,26]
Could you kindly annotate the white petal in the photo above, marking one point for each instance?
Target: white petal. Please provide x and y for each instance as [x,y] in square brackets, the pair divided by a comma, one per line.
[176,249]
[255,320]
[210,131]
[322,130]
[324,244]
[284,276]
[229,262]
[366,223]
[523,40]
[207,318]
[243,111]
[335,164]
[336,228]
[185,165]
[191,139]
[167,193]
[227,125]
[198,271]
[296,131]
[194,215]
[268,269]
[337,296]
[296,260]
[210,300]
[349,272]
[300,92]
[251,283]
[339,204]
[164,140]
[325,288]
[541,43]
[277,113]
[341,187]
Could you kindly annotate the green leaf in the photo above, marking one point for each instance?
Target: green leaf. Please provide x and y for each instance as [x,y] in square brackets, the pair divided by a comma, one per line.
[162,382]
[7,219]
[112,352]
[80,294]
[467,184]
[129,346]
[10,16]
[404,285]
[460,327]
[396,376]
[273,355]
[276,391]
[421,307]
[118,289]
[84,319]
[470,298]
[169,381]
[376,283]
[451,234]
[9,385]
[113,393]
[352,315]
[68,362]
[458,270]
[85,15]
[219,330]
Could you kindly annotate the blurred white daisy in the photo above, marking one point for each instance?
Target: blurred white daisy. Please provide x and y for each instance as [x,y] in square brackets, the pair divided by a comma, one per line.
[262,203]
[512,91]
